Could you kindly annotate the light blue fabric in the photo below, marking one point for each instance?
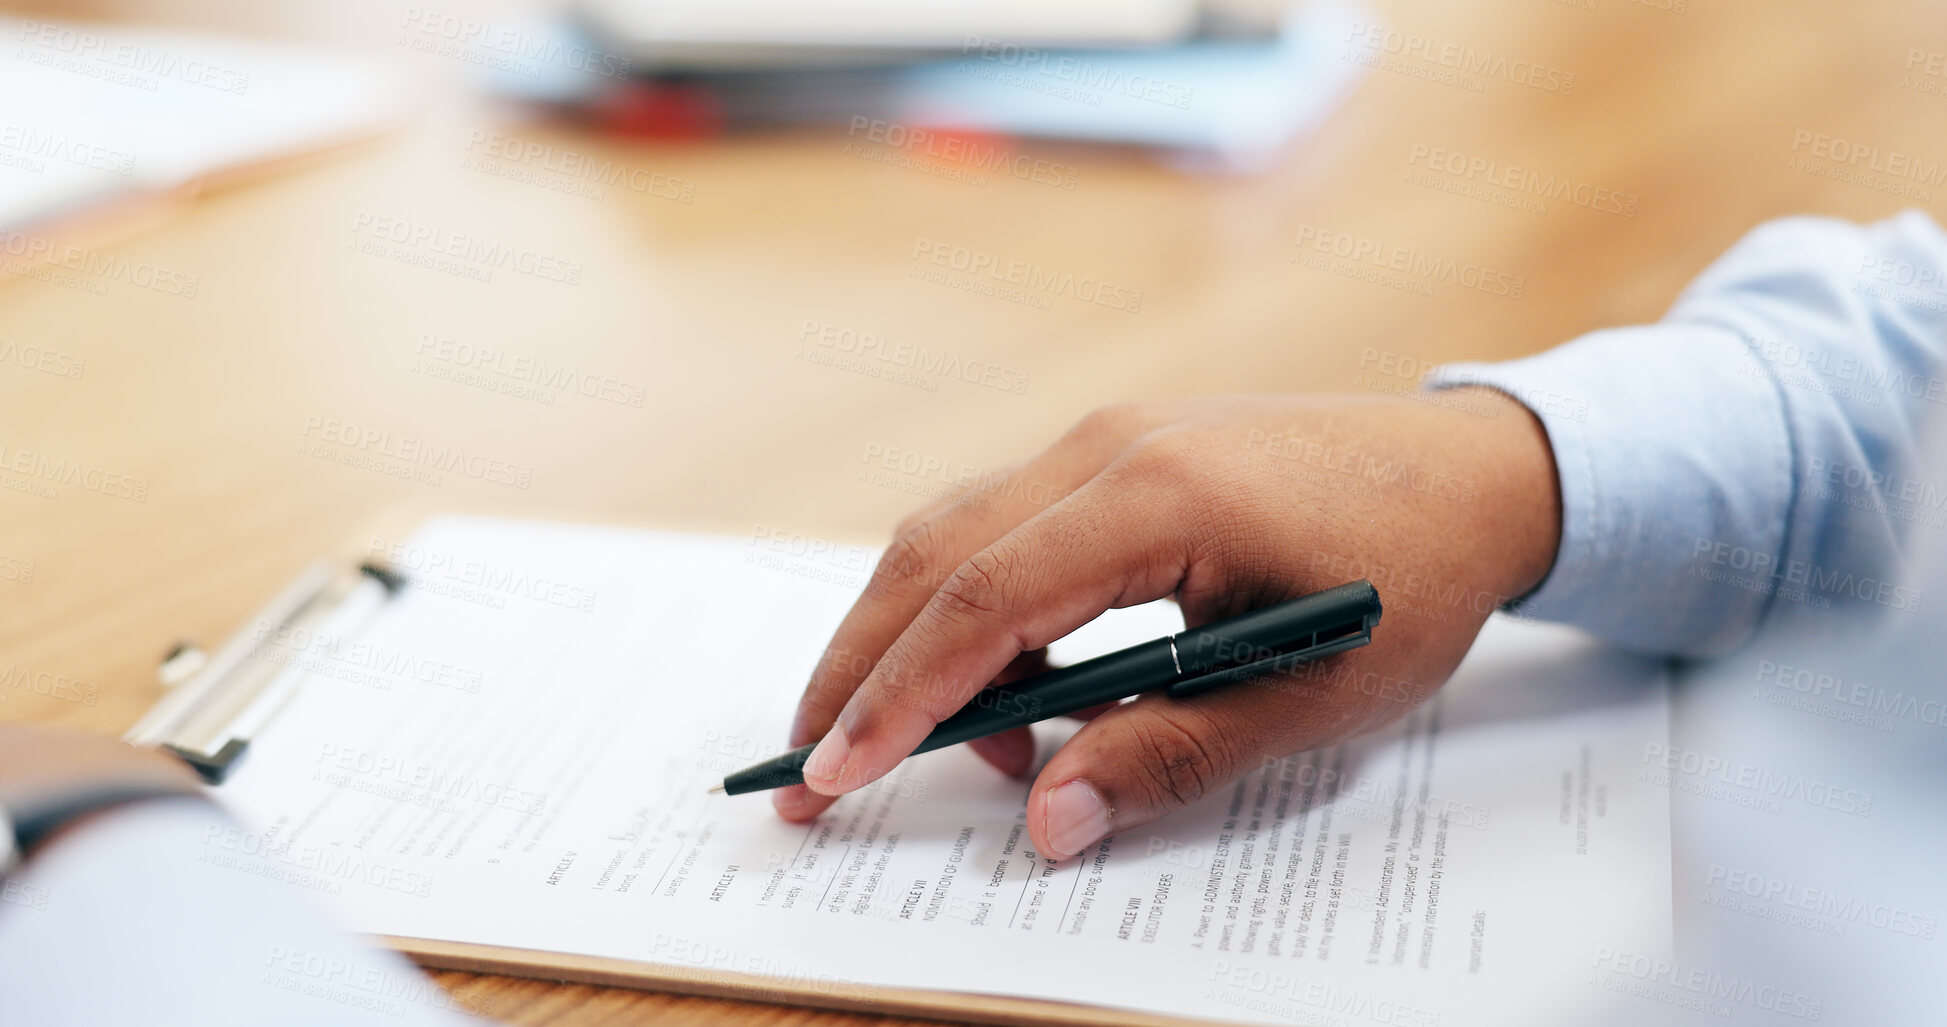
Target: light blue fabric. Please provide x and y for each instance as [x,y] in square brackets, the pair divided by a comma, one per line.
[1757,448]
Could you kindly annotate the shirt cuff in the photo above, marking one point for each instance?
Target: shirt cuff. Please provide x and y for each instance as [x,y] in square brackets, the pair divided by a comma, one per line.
[1671,454]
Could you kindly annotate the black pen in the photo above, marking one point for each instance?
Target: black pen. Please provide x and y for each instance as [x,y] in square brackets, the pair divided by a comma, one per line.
[1249,645]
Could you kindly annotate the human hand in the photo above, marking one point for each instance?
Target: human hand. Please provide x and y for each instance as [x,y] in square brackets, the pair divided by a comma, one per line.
[1227,504]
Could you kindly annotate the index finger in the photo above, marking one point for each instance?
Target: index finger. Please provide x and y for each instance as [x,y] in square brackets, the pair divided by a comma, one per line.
[922,556]
[1108,545]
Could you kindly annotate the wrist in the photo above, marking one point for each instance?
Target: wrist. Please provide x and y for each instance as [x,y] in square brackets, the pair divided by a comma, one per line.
[1521,499]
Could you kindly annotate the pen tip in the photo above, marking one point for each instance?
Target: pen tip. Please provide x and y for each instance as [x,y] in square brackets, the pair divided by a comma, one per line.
[714,789]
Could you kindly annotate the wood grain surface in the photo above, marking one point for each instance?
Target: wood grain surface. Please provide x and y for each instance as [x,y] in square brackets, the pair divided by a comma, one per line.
[709,311]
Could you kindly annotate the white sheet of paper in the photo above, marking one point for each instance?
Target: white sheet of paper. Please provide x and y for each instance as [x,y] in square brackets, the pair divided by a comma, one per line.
[98,113]
[517,752]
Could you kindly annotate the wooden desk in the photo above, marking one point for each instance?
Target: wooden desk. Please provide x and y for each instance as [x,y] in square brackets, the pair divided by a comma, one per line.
[218,405]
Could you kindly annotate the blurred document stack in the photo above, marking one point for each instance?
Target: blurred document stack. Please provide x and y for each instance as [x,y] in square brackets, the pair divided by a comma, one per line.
[1207,84]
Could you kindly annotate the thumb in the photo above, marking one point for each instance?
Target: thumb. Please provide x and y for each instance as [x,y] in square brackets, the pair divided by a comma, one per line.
[1139,761]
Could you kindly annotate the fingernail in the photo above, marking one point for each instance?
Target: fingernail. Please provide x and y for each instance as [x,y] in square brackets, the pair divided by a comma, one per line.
[828,759]
[1076,817]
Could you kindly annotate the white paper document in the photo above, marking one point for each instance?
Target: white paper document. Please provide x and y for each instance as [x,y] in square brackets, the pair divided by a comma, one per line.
[99,114]
[516,752]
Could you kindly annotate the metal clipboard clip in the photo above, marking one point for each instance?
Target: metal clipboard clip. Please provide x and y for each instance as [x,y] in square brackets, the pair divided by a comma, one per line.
[217,703]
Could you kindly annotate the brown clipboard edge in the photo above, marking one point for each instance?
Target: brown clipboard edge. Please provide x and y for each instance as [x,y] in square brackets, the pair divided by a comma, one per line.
[965,1007]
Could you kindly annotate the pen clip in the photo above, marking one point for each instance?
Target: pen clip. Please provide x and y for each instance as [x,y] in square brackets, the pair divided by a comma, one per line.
[1259,661]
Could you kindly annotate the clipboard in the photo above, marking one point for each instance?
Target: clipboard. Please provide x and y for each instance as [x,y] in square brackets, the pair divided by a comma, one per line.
[621,781]
[216,702]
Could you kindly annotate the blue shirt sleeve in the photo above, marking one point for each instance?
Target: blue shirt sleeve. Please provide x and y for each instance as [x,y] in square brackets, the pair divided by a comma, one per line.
[1754,448]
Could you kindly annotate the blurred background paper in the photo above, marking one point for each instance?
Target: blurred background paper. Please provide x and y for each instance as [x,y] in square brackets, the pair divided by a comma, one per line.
[1231,95]
[1237,99]
[99,116]
[770,33]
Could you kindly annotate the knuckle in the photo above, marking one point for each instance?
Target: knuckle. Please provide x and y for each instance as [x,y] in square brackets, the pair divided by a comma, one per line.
[905,686]
[977,589]
[1180,757]
[915,556]
[1168,457]
[1115,421]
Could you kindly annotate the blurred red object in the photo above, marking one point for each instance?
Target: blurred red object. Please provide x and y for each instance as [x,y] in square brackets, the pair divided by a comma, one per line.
[659,110]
